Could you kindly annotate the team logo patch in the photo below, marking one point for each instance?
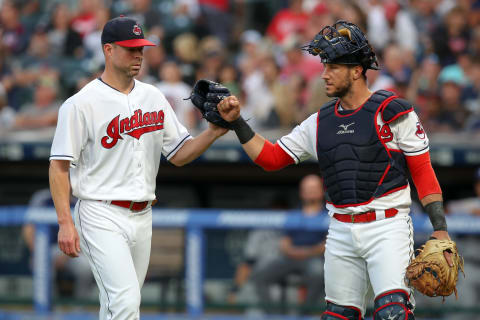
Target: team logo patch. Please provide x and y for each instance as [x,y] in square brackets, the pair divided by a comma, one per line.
[137,30]
[386,133]
[135,126]
[420,132]
[344,128]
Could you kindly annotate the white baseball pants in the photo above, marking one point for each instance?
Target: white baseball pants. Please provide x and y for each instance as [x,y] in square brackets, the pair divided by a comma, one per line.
[360,257]
[117,244]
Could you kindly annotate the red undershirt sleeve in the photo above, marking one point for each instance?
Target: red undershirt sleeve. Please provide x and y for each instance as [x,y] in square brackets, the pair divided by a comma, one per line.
[273,157]
[423,176]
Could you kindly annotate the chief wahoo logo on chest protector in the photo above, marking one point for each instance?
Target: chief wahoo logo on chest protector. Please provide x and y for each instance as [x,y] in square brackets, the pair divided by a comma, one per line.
[134,126]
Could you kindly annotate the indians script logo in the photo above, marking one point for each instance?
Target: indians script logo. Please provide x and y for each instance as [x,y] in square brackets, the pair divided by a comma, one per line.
[134,126]
[420,132]
[137,30]
[344,129]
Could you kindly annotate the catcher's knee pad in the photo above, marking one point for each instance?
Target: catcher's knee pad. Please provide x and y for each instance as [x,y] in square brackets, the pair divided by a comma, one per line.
[335,312]
[393,305]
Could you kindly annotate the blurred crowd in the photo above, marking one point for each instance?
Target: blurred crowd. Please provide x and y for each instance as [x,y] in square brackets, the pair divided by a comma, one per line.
[428,50]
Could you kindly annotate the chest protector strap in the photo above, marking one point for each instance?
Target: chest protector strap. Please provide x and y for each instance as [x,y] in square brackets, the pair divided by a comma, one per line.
[355,163]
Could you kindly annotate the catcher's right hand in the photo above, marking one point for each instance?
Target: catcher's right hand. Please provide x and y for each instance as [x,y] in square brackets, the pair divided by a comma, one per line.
[430,273]
[205,96]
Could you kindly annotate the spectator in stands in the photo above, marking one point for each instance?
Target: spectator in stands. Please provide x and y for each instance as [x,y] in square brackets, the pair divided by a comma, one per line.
[301,250]
[261,247]
[278,94]
[154,58]
[72,277]
[396,67]
[474,48]
[426,20]
[92,42]
[84,20]
[299,62]
[38,54]
[288,22]
[146,14]
[472,102]
[354,13]
[424,82]
[378,80]
[228,76]
[43,111]
[319,17]
[216,14]
[251,41]
[63,40]
[14,35]
[175,90]
[7,113]
[186,54]
[469,287]
[451,38]
[453,114]
[211,56]
[259,102]
[388,21]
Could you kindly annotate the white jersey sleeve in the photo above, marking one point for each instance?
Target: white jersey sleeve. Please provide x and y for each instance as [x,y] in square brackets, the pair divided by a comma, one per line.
[301,143]
[409,135]
[70,135]
[175,134]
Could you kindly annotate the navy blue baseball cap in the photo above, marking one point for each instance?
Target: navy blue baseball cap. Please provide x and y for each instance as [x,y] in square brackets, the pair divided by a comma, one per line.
[125,32]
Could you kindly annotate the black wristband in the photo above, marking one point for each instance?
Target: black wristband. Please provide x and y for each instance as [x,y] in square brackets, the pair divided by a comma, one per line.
[243,130]
[437,215]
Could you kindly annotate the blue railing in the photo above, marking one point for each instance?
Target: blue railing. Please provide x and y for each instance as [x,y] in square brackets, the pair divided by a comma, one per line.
[194,222]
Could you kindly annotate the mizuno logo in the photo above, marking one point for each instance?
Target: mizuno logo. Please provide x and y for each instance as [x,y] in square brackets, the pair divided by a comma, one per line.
[344,129]
[135,126]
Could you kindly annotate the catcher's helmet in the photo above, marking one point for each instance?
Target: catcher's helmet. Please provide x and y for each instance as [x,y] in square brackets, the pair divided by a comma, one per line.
[343,43]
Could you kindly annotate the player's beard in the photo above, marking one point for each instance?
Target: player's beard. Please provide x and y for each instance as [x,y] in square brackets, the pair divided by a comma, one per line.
[132,72]
[342,89]
[128,71]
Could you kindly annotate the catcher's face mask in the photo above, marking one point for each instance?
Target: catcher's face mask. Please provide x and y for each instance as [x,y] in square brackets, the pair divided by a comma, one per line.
[343,43]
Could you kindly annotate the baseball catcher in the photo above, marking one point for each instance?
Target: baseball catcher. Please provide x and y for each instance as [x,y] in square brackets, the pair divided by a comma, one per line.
[351,133]
[205,96]
[430,273]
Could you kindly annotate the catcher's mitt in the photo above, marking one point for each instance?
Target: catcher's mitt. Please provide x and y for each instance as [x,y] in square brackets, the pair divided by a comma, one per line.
[205,96]
[430,273]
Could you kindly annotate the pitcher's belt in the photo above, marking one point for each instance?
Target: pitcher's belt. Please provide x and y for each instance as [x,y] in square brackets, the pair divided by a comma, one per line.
[368,216]
[132,205]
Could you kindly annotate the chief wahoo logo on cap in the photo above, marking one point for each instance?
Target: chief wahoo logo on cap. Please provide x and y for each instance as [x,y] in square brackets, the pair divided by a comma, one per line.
[137,30]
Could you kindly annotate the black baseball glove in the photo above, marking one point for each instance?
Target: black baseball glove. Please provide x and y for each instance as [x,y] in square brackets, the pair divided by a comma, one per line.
[205,96]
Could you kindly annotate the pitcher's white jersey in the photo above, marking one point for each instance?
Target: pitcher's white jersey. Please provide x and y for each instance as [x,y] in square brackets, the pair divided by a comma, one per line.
[405,134]
[114,141]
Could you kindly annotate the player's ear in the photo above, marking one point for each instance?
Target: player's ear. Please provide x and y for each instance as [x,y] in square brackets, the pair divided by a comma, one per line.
[107,48]
[356,72]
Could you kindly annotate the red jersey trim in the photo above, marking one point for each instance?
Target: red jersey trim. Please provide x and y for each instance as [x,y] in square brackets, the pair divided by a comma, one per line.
[356,110]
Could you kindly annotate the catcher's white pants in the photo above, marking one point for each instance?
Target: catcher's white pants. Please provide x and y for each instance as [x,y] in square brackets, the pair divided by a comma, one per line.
[117,244]
[360,257]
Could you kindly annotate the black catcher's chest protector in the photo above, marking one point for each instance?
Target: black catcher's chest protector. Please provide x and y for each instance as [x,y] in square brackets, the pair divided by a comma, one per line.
[354,163]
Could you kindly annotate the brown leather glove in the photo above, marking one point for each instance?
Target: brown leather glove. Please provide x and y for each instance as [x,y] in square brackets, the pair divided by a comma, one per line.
[430,273]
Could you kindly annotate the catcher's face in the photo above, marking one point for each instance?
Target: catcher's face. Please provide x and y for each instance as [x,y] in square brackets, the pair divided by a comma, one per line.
[126,60]
[338,79]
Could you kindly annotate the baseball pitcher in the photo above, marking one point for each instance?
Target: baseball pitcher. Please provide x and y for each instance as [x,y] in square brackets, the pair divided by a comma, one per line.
[107,147]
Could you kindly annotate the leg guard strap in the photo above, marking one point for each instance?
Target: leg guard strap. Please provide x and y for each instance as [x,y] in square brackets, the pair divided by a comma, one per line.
[393,304]
[335,312]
